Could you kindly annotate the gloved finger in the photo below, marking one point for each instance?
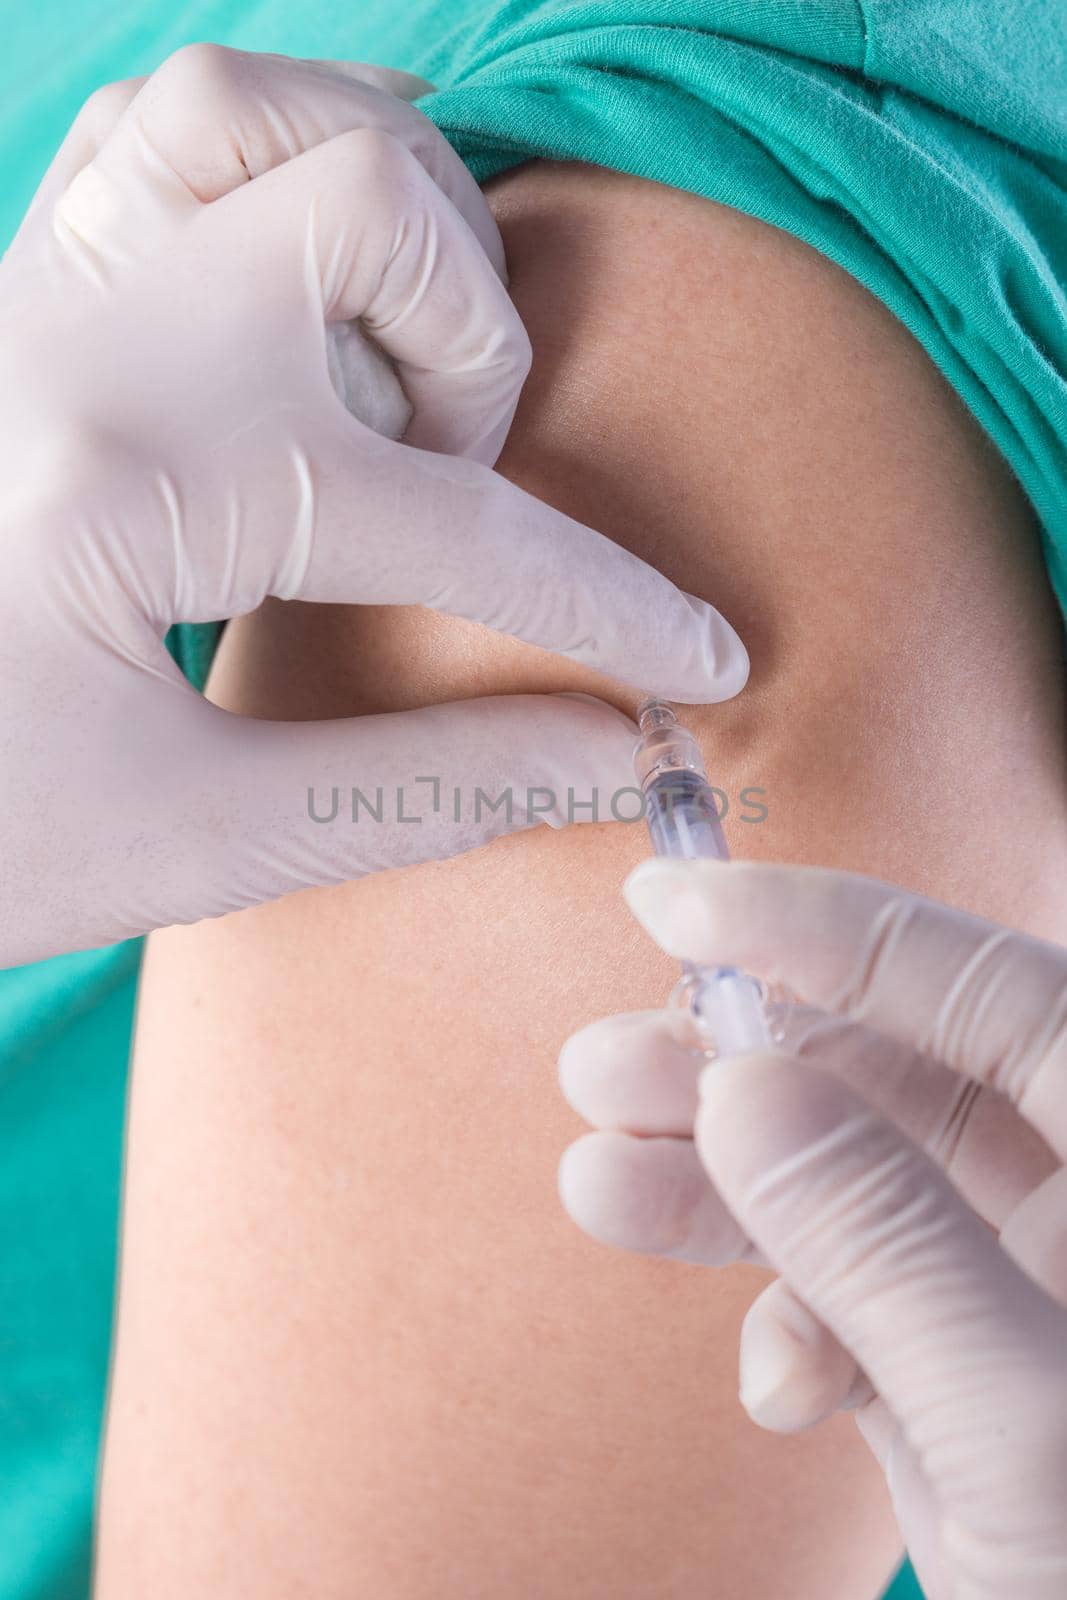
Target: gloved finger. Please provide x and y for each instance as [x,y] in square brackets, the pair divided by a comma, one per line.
[361,215]
[469,771]
[341,514]
[873,1238]
[648,1195]
[453,535]
[1035,1235]
[639,1073]
[794,1372]
[230,811]
[209,119]
[90,128]
[405,85]
[986,1002]
[635,1072]
[975,1135]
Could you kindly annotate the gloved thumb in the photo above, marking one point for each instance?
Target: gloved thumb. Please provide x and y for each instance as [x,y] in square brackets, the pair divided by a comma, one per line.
[203,812]
[261,808]
[882,1250]
[794,1371]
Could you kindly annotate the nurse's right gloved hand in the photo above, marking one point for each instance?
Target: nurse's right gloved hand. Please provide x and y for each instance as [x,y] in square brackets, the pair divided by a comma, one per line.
[181,437]
[902,1169]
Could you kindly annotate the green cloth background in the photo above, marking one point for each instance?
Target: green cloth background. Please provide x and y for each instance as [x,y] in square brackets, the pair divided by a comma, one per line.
[922,144]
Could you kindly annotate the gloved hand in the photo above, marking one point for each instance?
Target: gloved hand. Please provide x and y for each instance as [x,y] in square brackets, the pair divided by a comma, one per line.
[901,1170]
[173,447]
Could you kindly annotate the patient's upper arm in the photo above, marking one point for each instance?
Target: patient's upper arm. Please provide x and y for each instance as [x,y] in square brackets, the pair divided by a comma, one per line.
[732,406]
[361,1350]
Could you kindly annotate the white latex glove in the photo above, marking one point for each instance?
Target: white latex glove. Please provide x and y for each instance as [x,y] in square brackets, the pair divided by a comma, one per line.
[173,448]
[904,1177]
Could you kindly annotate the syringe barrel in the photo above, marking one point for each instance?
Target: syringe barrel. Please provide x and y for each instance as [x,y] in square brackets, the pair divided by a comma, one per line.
[682,817]
[683,821]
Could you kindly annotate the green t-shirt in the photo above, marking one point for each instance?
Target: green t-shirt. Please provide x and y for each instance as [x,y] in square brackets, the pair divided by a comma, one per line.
[922,144]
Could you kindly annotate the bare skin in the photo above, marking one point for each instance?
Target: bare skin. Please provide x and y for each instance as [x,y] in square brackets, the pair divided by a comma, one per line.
[361,1350]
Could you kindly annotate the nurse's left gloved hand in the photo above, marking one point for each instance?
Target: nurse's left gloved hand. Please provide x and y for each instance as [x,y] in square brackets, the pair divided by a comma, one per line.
[191,420]
[900,1168]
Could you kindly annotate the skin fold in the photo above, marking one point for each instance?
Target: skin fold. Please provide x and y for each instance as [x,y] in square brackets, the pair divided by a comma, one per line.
[360,1348]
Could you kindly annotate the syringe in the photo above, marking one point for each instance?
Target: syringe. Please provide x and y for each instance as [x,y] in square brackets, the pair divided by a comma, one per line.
[683,820]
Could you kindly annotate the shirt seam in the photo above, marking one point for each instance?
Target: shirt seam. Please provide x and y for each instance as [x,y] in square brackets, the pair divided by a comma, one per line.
[865,32]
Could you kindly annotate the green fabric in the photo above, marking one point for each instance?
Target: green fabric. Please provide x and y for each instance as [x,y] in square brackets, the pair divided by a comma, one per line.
[919,143]
[65,1034]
